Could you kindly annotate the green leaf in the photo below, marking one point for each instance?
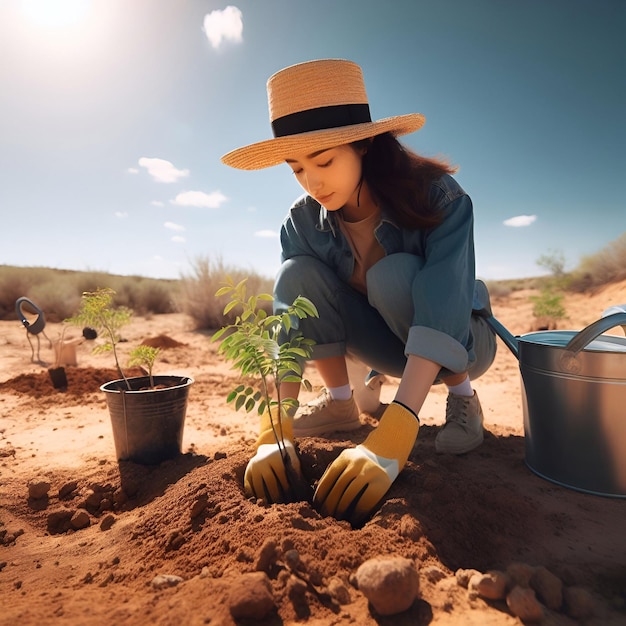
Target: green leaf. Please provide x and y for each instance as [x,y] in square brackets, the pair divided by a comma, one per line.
[290,379]
[230,306]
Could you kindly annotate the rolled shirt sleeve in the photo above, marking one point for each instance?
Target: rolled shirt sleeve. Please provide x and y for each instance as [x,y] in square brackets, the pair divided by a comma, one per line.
[443,290]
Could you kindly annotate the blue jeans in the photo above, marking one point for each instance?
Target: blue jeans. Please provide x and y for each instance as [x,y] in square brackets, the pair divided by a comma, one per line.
[372,328]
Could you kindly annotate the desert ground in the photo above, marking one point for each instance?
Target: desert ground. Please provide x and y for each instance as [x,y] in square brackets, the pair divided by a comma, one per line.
[85,539]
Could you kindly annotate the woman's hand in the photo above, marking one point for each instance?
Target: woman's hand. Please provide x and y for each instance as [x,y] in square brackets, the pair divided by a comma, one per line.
[266,474]
[357,480]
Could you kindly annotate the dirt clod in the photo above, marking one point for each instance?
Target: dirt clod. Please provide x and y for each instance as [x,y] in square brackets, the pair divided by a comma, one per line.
[391,584]
[523,603]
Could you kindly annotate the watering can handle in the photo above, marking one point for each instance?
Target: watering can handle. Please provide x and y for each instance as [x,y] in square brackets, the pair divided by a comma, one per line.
[39,324]
[594,330]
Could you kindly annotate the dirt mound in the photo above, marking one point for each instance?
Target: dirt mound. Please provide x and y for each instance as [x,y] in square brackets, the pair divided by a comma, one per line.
[189,519]
[163,342]
[80,381]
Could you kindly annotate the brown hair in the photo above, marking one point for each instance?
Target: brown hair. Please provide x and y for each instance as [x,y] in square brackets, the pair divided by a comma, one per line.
[400,180]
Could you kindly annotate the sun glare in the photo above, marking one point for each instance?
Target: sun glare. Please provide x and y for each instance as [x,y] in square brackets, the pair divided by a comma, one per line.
[53,14]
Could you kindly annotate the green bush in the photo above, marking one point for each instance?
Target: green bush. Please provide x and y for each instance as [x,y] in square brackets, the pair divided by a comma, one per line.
[548,304]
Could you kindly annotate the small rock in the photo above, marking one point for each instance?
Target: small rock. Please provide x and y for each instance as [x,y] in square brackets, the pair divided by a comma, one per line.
[491,585]
[175,540]
[579,603]
[266,556]
[250,596]
[59,521]
[7,451]
[523,603]
[391,584]
[433,574]
[107,521]
[549,588]
[520,574]
[119,497]
[296,589]
[463,576]
[67,489]
[80,519]
[199,505]
[38,488]
[410,528]
[92,499]
[292,559]
[339,591]
[162,581]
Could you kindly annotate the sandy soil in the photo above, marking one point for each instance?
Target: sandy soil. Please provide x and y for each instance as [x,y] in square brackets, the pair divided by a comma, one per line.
[85,539]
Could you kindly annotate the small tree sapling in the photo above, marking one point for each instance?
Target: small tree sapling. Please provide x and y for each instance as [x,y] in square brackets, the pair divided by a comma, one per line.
[252,343]
[144,356]
[97,312]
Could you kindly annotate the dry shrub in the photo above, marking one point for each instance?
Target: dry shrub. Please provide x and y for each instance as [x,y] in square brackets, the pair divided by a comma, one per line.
[197,292]
[146,295]
[13,285]
[58,299]
[498,289]
[608,265]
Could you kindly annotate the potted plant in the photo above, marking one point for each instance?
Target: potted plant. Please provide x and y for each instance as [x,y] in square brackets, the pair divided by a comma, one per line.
[147,412]
[251,342]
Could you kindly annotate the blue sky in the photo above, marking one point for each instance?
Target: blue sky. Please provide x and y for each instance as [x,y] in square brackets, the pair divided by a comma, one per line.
[114,113]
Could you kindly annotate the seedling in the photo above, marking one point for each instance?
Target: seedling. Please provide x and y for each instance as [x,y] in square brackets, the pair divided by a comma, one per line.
[144,356]
[252,344]
[97,312]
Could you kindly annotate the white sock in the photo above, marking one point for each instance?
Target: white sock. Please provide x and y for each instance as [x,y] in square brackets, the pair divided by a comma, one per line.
[340,393]
[462,389]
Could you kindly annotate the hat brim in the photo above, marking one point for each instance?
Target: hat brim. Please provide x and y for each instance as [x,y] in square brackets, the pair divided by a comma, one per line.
[272,152]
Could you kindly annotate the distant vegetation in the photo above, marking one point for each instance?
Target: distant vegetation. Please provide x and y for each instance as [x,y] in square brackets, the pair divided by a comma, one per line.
[58,292]
[606,266]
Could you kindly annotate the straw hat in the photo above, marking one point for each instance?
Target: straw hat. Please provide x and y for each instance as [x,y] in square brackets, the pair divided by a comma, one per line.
[314,106]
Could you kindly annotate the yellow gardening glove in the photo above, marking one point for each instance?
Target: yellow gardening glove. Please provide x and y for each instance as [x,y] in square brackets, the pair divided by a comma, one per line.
[266,476]
[356,481]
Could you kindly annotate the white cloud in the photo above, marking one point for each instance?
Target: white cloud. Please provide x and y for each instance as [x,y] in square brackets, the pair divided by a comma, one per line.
[520,221]
[223,25]
[173,226]
[266,234]
[157,203]
[178,239]
[161,170]
[122,215]
[132,170]
[200,199]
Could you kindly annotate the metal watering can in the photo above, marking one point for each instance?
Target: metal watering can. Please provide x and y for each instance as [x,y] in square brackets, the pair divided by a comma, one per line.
[574,401]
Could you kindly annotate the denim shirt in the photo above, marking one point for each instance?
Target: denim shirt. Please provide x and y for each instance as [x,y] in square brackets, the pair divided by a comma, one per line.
[442,290]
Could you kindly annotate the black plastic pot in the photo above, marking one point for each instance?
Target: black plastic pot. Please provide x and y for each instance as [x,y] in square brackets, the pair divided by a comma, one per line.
[148,423]
[58,377]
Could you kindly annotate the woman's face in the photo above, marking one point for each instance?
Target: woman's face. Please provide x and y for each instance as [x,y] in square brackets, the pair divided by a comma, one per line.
[330,176]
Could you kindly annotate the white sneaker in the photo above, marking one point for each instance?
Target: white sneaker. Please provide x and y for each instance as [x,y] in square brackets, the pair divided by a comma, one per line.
[463,430]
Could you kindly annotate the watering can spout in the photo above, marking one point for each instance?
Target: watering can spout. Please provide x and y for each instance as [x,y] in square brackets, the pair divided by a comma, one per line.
[510,341]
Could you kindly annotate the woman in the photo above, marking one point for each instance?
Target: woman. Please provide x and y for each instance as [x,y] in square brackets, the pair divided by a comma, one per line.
[382,244]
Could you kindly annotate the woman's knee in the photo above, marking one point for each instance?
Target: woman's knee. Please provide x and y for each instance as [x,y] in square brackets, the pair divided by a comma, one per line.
[484,347]
[298,276]
[391,279]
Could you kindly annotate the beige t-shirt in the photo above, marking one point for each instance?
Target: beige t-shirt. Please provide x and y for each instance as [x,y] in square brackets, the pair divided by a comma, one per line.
[365,247]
